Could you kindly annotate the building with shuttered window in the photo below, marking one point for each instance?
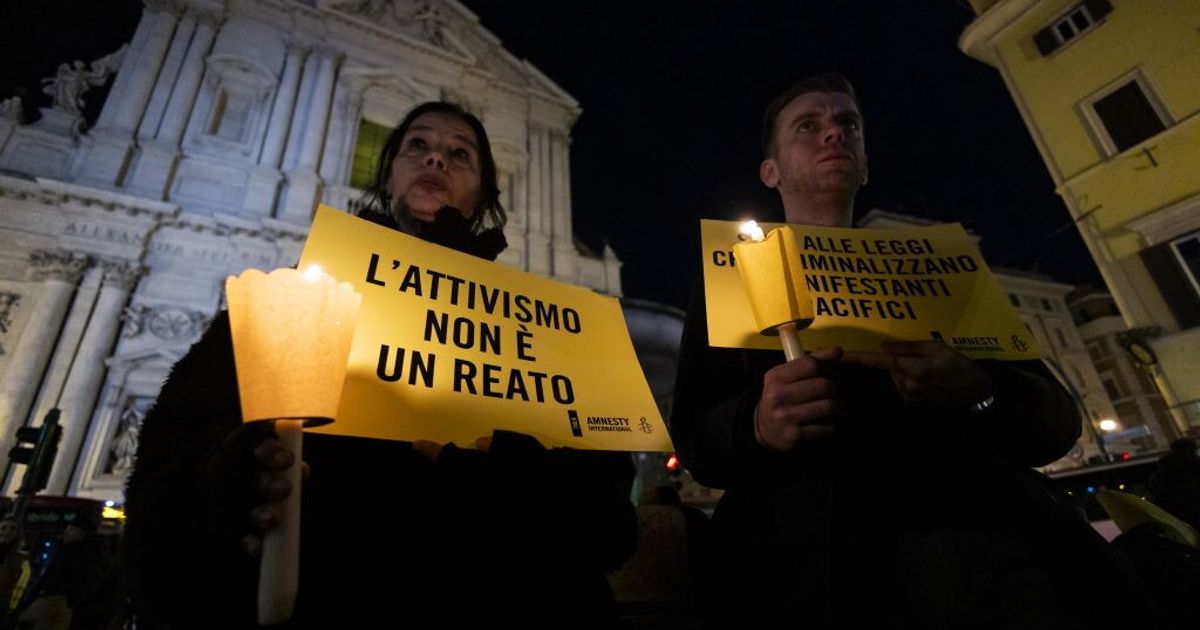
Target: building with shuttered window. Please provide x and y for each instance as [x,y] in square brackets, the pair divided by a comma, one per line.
[1108,90]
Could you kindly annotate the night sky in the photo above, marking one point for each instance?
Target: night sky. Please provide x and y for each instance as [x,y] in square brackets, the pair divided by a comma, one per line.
[672,96]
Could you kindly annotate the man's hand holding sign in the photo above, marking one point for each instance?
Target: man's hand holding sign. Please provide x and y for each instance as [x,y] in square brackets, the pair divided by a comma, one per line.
[798,402]
[929,371]
[863,291]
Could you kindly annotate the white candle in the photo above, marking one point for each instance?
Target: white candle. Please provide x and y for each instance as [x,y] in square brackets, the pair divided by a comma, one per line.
[291,339]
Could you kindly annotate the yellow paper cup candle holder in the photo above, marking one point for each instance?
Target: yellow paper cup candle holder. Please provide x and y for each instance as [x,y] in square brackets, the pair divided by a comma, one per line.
[770,271]
[291,340]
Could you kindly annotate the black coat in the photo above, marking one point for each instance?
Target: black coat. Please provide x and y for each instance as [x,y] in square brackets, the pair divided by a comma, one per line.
[902,517]
[521,534]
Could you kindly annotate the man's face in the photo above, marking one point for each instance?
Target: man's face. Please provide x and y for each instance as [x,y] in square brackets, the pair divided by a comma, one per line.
[437,165]
[818,146]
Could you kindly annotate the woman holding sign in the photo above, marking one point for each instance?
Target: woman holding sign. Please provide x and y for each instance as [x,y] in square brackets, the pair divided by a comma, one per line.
[393,532]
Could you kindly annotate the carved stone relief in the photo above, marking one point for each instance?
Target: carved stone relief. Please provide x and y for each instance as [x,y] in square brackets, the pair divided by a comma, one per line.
[123,446]
[58,265]
[8,303]
[169,323]
[121,273]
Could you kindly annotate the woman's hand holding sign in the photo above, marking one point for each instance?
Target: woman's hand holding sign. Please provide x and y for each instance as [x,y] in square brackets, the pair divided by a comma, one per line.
[797,403]
[929,371]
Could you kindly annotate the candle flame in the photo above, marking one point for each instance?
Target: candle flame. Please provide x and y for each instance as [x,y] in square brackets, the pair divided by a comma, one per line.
[313,273]
[751,230]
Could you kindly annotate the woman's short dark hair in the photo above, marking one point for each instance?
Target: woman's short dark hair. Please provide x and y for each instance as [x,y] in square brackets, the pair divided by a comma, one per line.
[828,83]
[489,213]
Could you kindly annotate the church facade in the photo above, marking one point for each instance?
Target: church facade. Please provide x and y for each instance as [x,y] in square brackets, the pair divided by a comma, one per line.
[226,123]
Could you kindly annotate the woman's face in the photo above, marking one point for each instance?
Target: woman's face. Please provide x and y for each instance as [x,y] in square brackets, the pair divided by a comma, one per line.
[8,532]
[437,165]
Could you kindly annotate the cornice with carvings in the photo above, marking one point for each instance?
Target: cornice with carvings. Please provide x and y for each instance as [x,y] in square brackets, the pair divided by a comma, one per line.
[61,265]
[8,301]
[56,193]
[362,25]
[297,47]
[121,273]
[166,322]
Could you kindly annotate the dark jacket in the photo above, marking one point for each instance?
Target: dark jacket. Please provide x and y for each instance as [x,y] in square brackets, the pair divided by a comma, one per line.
[84,572]
[520,534]
[884,522]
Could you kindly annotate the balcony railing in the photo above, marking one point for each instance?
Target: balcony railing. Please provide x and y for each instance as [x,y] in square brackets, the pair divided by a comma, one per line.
[1153,174]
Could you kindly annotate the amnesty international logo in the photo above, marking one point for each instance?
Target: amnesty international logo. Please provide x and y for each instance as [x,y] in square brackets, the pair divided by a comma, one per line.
[573,416]
[1018,345]
[645,426]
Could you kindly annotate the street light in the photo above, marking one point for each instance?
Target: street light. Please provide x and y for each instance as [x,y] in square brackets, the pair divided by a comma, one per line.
[1109,425]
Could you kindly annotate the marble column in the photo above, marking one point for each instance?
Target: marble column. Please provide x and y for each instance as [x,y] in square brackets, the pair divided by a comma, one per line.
[263,184]
[87,370]
[140,67]
[58,272]
[538,236]
[282,110]
[318,114]
[109,145]
[156,165]
[562,239]
[149,62]
[612,272]
[520,213]
[339,141]
[304,184]
[308,79]
[166,77]
[183,97]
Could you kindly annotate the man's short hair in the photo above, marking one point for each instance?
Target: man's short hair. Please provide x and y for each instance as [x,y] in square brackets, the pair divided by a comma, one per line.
[827,83]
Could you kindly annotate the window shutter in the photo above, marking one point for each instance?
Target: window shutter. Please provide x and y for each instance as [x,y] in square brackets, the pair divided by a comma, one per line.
[1174,285]
[1046,41]
[1098,8]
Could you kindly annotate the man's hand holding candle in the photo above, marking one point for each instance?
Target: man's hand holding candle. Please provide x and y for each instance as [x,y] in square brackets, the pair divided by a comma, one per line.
[798,402]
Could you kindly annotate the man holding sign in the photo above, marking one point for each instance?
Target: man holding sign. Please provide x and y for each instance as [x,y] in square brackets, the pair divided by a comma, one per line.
[884,487]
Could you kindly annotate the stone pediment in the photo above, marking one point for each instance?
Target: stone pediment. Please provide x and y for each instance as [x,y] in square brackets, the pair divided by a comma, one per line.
[442,24]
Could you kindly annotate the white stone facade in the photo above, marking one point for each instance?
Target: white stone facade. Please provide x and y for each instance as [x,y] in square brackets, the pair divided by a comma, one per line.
[226,123]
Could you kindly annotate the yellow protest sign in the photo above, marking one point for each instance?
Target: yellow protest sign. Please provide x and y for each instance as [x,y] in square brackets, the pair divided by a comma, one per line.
[873,285]
[449,347]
